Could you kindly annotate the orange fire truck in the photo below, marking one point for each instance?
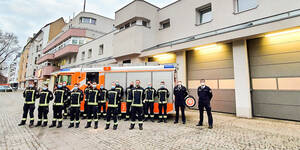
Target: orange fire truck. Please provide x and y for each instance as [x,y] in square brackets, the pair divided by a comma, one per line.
[107,75]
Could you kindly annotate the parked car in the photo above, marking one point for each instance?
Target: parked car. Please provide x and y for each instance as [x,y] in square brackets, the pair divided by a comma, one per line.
[5,88]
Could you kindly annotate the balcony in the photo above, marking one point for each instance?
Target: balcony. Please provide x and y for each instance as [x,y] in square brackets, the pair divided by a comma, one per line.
[64,36]
[69,49]
[47,57]
[46,71]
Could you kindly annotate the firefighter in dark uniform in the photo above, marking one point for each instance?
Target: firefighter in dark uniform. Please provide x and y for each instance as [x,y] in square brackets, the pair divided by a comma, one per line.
[102,102]
[58,105]
[163,95]
[120,89]
[30,94]
[93,106]
[76,97]
[129,98]
[205,95]
[45,97]
[180,93]
[112,106]
[150,94]
[86,93]
[138,94]
[67,100]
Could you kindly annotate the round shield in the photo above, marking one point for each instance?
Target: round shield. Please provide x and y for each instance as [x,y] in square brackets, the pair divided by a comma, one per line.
[190,101]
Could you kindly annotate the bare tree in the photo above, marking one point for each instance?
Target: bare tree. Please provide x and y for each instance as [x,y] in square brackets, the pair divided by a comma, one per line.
[8,47]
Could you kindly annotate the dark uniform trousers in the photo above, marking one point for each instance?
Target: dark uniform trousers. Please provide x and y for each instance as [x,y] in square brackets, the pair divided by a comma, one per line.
[92,113]
[182,107]
[128,109]
[102,109]
[136,112]
[43,112]
[162,107]
[208,111]
[74,114]
[147,106]
[28,108]
[57,112]
[112,112]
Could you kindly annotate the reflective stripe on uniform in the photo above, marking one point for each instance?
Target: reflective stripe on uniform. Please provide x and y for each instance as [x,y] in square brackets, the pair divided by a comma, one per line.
[116,123]
[45,120]
[46,98]
[165,116]
[24,119]
[59,119]
[152,116]
[107,122]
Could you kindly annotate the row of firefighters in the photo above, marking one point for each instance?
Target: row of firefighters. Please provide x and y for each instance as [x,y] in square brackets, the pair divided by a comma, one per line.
[139,104]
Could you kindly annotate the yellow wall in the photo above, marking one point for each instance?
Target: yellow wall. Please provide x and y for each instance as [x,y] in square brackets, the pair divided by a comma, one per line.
[55,28]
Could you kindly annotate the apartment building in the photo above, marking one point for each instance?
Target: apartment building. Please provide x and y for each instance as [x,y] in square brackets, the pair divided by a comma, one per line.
[247,50]
[62,50]
[33,50]
[23,65]
[12,72]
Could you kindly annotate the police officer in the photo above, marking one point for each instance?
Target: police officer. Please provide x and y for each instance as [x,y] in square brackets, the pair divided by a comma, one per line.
[93,106]
[86,92]
[45,97]
[120,89]
[67,100]
[180,93]
[76,97]
[138,94]
[30,94]
[58,105]
[205,95]
[102,102]
[112,106]
[163,95]
[129,99]
[150,94]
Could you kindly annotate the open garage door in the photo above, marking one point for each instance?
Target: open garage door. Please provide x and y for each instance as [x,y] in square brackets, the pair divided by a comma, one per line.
[216,66]
[275,76]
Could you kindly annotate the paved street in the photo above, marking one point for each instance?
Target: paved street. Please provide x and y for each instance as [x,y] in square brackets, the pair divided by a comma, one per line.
[229,133]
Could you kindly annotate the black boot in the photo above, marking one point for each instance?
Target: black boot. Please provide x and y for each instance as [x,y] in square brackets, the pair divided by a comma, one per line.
[131,126]
[96,125]
[22,123]
[88,125]
[71,125]
[115,127]
[146,119]
[152,119]
[59,124]
[165,121]
[175,122]
[106,127]
[53,124]
[160,120]
[39,123]
[210,127]
[141,126]
[44,124]
[31,124]
[77,125]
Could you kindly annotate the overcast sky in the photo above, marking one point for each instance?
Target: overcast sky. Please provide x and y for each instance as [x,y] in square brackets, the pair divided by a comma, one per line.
[25,17]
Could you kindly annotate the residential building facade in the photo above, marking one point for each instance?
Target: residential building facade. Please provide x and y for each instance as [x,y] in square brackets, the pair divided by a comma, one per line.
[23,65]
[62,50]
[13,73]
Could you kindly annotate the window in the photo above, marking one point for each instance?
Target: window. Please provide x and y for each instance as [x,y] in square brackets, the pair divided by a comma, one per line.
[81,42]
[74,41]
[243,5]
[127,25]
[37,48]
[127,61]
[65,78]
[35,60]
[88,20]
[82,55]
[93,77]
[101,47]
[90,53]
[145,23]
[165,24]
[133,22]
[204,14]
[34,72]
[150,59]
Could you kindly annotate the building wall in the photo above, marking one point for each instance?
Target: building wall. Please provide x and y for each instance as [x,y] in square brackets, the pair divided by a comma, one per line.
[55,28]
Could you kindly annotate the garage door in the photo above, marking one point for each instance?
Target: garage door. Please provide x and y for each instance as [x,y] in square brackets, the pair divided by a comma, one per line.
[216,66]
[275,74]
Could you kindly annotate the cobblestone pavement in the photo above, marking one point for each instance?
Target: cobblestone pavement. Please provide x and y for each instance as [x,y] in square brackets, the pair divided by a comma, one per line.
[229,132]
